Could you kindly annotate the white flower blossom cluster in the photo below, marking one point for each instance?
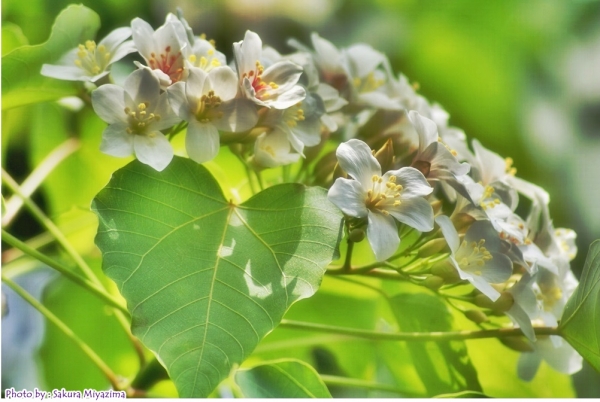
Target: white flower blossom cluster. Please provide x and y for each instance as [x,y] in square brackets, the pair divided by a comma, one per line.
[279,106]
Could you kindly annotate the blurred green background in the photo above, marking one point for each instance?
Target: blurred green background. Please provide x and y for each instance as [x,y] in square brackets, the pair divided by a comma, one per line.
[522,76]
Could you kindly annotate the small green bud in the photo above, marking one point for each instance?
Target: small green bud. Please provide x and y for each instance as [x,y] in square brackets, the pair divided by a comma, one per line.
[356,235]
[385,156]
[446,271]
[432,247]
[504,302]
[518,343]
[477,316]
[433,282]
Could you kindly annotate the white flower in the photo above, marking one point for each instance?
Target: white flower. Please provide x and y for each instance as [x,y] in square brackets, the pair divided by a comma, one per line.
[525,307]
[272,150]
[162,49]
[477,258]
[206,101]
[433,158]
[398,194]
[135,115]
[90,62]
[272,87]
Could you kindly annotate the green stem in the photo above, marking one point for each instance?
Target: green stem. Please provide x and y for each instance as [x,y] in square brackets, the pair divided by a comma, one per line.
[357,383]
[347,267]
[86,284]
[50,227]
[415,336]
[259,179]
[79,261]
[85,348]
[33,181]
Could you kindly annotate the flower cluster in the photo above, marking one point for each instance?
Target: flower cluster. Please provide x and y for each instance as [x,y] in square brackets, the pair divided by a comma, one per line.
[421,175]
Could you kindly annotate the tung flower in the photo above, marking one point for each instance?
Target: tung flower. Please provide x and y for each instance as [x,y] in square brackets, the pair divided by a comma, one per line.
[398,194]
[206,101]
[477,258]
[90,61]
[135,115]
[272,87]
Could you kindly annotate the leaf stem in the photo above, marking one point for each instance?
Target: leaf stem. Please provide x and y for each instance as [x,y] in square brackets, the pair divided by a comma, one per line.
[85,348]
[86,284]
[347,267]
[415,336]
[79,261]
[358,383]
[33,181]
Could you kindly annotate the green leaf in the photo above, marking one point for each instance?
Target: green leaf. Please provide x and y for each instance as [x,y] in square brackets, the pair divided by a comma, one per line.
[205,280]
[463,394]
[22,82]
[286,378]
[444,367]
[580,322]
[12,37]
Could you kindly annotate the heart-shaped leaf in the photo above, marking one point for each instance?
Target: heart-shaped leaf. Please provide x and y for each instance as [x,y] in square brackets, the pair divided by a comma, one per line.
[22,82]
[580,323]
[286,378]
[205,280]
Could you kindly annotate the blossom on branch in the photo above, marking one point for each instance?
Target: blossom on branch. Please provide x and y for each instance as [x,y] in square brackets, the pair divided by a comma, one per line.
[397,195]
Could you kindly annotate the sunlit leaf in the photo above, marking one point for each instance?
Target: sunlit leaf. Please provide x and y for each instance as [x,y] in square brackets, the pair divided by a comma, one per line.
[205,280]
[287,378]
[22,82]
[463,394]
[444,367]
[12,38]
[580,323]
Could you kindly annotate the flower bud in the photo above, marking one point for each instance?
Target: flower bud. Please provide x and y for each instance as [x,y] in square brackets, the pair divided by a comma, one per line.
[504,302]
[324,168]
[433,282]
[477,316]
[431,247]
[385,156]
[437,206]
[518,343]
[446,271]
[462,222]
[356,235]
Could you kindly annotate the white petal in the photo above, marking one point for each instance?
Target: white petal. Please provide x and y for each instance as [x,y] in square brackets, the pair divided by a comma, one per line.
[383,235]
[379,100]
[178,100]
[224,82]
[498,269]
[415,212]
[363,59]
[202,141]
[356,159]
[273,150]
[481,284]
[116,141]
[528,365]
[283,73]
[68,73]
[142,86]
[238,115]
[249,53]
[426,129]
[449,232]
[108,102]
[412,180]
[121,51]
[287,99]
[143,36]
[348,196]
[153,149]
[162,107]
[522,320]
[563,359]
[194,86]
[115,38]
